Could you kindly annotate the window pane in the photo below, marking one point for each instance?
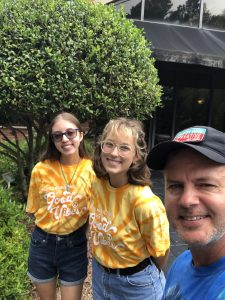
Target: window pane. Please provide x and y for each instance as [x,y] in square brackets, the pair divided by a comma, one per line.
[192,107]
[164,116]
[218,116]
[131,7]
[214,14]
[183,12]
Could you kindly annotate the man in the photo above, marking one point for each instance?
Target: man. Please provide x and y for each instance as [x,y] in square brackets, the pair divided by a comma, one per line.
[194,170]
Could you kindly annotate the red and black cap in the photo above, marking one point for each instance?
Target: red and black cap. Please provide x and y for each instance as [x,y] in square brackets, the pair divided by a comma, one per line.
[206,140]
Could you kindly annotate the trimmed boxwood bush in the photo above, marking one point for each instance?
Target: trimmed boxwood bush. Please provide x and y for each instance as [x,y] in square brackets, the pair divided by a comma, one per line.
[76,55]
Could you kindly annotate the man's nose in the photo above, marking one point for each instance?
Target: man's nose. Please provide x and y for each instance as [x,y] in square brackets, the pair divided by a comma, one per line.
[189,197]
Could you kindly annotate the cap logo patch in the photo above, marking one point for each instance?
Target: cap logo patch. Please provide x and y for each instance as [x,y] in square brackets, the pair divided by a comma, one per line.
[196,134]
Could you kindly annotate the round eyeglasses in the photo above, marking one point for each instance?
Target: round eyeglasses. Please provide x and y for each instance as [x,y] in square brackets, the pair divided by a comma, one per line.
[70,133]
[109,146]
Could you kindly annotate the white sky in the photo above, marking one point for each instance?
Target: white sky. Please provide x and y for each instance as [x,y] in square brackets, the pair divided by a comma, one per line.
[215,6]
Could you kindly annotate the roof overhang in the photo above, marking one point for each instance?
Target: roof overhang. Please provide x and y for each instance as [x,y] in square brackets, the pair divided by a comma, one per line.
[188,45]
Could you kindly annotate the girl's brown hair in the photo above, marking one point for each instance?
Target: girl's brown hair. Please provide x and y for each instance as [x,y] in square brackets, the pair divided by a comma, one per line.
[138,173]
[51,152]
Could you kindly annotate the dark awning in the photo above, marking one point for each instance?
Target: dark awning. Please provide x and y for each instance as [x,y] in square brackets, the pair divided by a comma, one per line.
[185,44]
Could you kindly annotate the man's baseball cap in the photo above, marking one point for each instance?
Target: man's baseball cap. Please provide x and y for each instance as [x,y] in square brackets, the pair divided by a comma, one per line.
[205,140]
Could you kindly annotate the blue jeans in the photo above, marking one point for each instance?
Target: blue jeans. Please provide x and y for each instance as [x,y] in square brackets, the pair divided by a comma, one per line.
[53,256]
[147,284]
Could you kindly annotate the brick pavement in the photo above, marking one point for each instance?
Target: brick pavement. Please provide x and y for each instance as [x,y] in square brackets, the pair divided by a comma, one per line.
[177,245]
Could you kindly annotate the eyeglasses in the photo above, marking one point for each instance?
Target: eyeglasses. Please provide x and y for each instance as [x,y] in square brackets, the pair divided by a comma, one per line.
[70,133]
[108,147]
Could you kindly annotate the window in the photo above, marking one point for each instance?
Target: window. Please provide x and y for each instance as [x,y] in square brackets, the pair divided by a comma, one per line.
[214,14]
[192,107]
[182,12]
[132,8]
[164,116]
[218,115]
[179,12]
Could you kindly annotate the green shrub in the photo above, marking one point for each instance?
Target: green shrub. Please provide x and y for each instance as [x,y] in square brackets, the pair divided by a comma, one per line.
[74,55]
[14,283]
[6,165]
[89,147]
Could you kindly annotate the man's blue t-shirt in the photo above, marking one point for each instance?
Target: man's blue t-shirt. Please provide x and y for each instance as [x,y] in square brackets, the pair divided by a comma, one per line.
[187,282]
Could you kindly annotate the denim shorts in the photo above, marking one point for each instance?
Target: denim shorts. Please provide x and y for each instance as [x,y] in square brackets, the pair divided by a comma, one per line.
[147,284]
[52,256]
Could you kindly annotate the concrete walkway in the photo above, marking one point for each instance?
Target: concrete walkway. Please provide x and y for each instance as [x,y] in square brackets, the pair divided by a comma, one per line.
[177,245]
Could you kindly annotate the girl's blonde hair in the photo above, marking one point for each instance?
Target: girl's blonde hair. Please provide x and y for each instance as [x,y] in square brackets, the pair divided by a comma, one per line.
[138,173]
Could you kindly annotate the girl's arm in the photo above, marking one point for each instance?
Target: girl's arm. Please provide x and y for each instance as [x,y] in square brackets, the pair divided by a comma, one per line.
[161,261]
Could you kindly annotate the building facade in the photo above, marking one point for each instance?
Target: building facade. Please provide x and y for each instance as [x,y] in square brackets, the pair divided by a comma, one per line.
[187,38]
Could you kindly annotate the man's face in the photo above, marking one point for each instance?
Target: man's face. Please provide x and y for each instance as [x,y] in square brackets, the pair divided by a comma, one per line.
[195,197]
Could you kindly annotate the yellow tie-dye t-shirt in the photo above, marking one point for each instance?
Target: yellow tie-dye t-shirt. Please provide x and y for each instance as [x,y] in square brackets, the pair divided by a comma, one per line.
[127,224]
[56,210]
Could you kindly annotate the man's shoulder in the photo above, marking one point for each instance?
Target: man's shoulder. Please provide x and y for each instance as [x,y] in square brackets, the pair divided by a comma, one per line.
[184,281]
[183,259]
